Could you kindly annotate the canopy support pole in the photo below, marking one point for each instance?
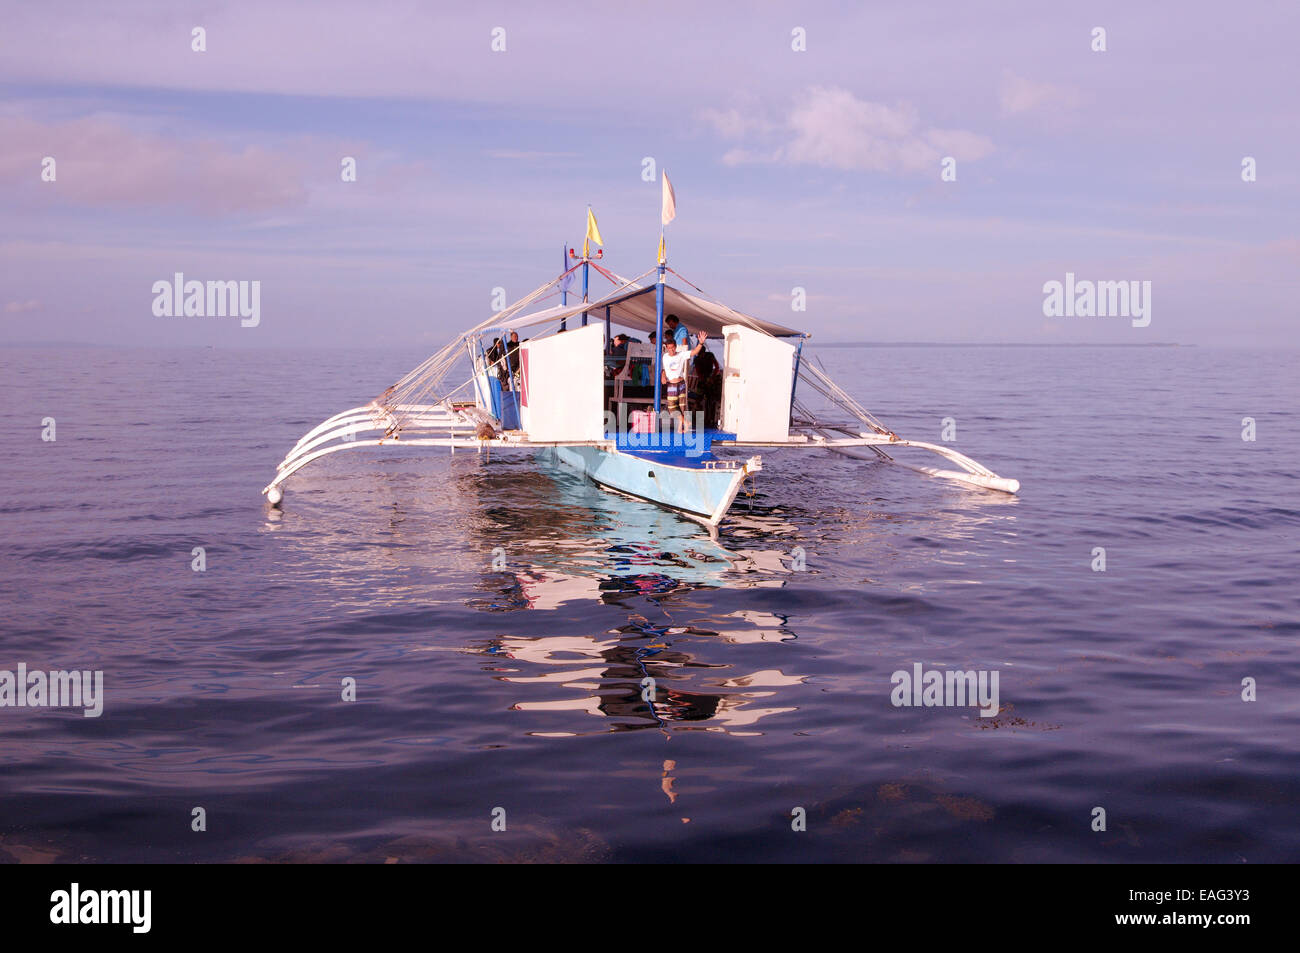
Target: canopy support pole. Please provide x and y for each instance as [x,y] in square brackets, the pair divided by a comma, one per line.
[659,325]
[564,295]
[795,383]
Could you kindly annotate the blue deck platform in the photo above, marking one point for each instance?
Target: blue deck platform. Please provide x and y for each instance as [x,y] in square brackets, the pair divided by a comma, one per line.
[680,450]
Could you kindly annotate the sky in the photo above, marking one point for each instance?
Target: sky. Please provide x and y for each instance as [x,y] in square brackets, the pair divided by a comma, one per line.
[806,143]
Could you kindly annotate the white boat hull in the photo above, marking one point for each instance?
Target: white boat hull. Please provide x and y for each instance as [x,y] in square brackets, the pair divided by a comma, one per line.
[700,491]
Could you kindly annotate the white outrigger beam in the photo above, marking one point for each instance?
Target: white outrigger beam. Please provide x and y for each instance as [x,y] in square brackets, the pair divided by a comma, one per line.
[839,441]
[844,440]
[420,425]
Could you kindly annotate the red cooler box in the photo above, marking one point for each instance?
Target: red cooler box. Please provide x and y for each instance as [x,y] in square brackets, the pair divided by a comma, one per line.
[642,421]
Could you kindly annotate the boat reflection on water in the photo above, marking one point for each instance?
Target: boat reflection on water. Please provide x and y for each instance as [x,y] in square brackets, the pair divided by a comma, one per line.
[643,673]
[595,545]
[635,683]
[615,608]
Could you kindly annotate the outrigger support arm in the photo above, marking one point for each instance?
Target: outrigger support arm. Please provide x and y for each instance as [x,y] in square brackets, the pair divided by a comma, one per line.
[971,472]
[843,441]
[879,436]
[422,425]
[428,425]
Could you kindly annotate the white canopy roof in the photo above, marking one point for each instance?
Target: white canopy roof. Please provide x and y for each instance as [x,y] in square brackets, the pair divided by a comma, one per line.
[636,309]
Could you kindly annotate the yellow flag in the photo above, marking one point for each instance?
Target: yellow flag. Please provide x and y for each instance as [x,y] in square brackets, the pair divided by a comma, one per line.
[593,234]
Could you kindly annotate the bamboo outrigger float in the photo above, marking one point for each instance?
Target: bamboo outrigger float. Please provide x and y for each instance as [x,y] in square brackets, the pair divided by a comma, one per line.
[563,393]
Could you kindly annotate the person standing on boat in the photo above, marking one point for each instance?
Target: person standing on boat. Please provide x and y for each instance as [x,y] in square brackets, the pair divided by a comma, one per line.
[708,381]
[677,332]
[512,356]
[675,363]
[496,356]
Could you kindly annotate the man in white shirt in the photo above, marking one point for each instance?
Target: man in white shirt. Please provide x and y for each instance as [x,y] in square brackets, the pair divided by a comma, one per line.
[675,363]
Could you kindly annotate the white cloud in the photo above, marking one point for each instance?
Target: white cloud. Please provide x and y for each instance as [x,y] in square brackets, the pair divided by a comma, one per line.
[104,162]
[733,124]
[749,157]
[1020,95]
[832,128]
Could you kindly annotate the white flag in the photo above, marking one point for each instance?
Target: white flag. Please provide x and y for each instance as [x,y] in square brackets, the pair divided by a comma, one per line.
[670,200]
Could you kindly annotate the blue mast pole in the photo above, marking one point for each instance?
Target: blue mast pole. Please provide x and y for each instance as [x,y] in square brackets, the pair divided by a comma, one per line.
[659,323]
[584,285]
[586,254]
[564,295]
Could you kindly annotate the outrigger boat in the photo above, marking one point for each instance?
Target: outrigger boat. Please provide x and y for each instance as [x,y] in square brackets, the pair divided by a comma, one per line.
[566,394]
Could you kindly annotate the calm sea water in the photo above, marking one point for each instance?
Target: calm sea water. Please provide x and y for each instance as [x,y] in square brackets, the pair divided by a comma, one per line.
[520,687]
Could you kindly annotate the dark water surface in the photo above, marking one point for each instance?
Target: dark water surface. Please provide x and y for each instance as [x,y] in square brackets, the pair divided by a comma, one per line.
[520,687]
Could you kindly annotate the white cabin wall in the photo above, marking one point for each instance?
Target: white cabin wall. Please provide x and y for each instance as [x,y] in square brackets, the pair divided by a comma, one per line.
[564,391]
[757,376]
